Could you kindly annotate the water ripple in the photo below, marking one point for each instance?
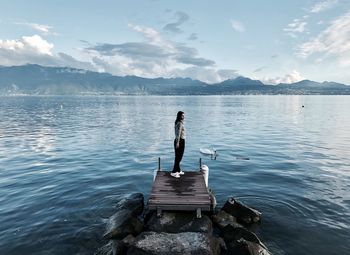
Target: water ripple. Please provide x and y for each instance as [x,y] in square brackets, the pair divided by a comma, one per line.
[63,169]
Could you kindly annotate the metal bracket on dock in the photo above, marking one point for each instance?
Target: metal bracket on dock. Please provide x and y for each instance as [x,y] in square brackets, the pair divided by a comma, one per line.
[199,213]
[159,167]
[159,212]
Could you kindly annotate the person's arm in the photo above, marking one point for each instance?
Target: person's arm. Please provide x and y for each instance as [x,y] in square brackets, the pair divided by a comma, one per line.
[178,134]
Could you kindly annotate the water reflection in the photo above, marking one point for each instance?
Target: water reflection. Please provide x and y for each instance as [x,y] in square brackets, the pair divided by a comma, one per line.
[65,161]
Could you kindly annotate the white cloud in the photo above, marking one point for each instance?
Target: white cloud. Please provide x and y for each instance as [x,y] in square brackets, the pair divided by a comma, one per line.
[334,41]
[237,26]
[297,26]
[148,32]
[45,29]
[36,50]
[28,45]
[208,75]
[323,5]
[292,77]
[155,57]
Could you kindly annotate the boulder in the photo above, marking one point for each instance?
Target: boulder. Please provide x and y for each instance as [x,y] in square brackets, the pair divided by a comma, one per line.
[232,233]
[241,212]
[113,247]
[105,250]
[179,222]
[185,243]
[133,202]
[125,243]
[222,219]
[244,247]
[121,224]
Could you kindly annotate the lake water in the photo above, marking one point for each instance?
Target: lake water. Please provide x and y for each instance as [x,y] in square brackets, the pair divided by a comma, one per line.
[66,161]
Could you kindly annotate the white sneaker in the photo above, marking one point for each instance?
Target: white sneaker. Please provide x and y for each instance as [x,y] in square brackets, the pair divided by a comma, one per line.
[181,172]
[176,175]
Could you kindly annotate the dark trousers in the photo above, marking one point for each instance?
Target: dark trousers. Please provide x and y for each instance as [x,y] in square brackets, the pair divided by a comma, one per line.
[179,152]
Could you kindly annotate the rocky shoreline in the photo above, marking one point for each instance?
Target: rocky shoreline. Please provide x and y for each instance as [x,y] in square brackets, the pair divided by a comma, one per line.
[134,230]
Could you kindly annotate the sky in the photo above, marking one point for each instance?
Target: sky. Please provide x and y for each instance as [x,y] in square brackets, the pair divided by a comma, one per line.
[272,40]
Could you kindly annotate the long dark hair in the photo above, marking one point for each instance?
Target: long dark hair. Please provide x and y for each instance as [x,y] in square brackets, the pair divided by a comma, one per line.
[178,117]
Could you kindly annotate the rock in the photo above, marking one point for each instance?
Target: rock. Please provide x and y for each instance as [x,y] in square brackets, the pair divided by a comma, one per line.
[134,203]
[179,222]
[126,243]
[128,240]
[121,224]
[241,212]
[113,247]
[223,218]
[185,243]
[232,233]
[105,250]
[239,240]
[244,247]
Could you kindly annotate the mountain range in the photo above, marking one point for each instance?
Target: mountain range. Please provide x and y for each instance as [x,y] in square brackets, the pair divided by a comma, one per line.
[34,79]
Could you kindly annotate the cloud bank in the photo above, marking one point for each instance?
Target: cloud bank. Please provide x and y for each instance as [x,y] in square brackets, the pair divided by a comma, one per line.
[35,50]
[323,5]
[334,41]
[155,57]
[291,77]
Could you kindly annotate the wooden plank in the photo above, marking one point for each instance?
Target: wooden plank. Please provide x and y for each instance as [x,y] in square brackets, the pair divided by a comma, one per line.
[181,200]
[179,208]
[180,196]
[188,192]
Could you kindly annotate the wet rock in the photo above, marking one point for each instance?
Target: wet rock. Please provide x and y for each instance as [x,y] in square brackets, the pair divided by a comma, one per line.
[105,250]
[231,233]
[243,213]
[179,222]
[185,243]
[121,224]
[128,240]
[113,247]
[125,244]
[222,219]
[134,203]
[244,247]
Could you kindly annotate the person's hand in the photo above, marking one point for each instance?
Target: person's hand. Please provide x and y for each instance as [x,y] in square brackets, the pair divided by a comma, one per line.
[177,145]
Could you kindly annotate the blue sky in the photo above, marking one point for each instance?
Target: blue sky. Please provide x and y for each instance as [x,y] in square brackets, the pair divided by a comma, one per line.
[273,40]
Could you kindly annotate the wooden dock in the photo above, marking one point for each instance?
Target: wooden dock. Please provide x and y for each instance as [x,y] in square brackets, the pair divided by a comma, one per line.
[187,193]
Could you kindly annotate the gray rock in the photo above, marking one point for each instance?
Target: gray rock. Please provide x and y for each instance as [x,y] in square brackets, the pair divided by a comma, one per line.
[222,219]
[179,222]
[134,203]
[239,239]
[105,250]
[113,247]
[121,224]
[243,213]
[244,247]
[186,243]
[128,240]
[232,233]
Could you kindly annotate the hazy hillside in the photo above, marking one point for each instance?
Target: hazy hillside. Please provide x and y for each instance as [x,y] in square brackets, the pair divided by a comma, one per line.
[40,80]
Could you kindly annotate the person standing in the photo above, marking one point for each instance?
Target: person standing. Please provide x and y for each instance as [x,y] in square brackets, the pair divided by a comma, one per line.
[179,144]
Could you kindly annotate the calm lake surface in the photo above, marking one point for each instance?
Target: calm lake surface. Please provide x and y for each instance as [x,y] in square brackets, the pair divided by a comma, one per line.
[66,161]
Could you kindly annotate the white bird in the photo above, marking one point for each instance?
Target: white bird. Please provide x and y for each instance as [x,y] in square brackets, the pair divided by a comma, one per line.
[212,153]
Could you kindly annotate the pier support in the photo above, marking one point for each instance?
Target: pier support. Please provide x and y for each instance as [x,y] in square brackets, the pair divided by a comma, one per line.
[199,213]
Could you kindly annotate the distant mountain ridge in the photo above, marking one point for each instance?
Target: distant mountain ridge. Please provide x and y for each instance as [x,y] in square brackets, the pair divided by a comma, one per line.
[34,79]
